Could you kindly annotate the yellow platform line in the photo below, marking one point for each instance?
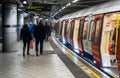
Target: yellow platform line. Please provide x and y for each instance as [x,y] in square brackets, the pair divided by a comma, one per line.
[96,75]
[71,55]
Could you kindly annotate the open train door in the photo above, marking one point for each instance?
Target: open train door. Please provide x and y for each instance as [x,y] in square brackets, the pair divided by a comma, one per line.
[71,31]
[80,35]
[75,34]
[118,41]
[110,53]
[96,38]
[65,30]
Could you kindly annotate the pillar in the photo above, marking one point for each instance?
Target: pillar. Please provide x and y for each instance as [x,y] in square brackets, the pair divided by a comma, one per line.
[9,24]
[34,20]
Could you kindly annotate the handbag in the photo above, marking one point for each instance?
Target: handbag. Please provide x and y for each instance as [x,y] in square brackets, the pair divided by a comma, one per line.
[31,44]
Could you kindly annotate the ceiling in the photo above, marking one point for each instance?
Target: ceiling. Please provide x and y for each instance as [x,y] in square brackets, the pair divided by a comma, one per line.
[55,8]
[80,4]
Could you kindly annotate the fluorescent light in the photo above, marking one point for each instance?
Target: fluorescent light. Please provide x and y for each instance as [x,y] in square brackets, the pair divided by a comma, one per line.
[74,1]
[60,10]
[24,2]
[63,7]
[68,4]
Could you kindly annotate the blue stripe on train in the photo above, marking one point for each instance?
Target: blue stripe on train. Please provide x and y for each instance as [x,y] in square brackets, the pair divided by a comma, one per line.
[71,47]
[89,56]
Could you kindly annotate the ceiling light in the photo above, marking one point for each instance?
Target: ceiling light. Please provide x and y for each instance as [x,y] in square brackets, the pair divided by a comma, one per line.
[24,2]
[63,7]
[74,1]
[60,10]
[68,4]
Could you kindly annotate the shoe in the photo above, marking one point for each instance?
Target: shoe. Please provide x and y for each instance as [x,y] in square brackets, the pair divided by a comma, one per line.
[36,54]
[40,53]
[24,54]
[28,53]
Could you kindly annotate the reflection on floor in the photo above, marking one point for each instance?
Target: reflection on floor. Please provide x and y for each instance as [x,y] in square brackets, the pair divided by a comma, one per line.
[48,65]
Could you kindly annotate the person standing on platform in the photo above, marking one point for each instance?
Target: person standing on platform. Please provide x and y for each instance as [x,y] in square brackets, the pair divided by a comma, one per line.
[31,28]
[26,36]
[47,30]
[39,35]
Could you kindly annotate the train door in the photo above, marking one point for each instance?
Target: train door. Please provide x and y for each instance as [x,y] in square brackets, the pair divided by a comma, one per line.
[87,46]
[68,31]
[1,27]
[96,26]
[118,46]
[81,23]
[63,31]
[75,34]
[61,27]
[109,40]
[71,31]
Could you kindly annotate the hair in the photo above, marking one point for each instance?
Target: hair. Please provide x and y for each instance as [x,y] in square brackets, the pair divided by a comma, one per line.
[41,22]
[25,25]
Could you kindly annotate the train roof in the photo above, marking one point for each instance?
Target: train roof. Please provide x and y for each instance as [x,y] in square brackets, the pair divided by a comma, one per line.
[98,9]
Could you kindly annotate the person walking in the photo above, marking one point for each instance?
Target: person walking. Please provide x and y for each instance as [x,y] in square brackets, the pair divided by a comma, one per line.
[39,35]
[47,30]
[25,35]
[31,28]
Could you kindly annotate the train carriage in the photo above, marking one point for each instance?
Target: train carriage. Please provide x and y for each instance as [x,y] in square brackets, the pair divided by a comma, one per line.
[95,32]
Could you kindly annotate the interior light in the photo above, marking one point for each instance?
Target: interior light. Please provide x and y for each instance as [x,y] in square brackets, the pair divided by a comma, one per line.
[24,2]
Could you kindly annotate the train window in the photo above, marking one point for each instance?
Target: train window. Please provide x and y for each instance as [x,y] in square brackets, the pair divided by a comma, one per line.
[80,28]
[98,27]
[91,29]
[85,30]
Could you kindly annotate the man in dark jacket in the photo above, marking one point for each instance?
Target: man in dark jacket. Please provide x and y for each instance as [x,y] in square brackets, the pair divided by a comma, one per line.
[26,37]
[39,35]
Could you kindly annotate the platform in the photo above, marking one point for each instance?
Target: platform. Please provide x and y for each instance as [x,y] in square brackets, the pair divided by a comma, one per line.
[56,62]
[48,65]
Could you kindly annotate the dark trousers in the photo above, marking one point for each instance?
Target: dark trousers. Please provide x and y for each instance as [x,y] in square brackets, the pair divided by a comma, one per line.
[24,46]
[41,45]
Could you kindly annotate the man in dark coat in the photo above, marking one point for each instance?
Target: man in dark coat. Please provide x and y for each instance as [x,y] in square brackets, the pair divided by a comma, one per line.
[26,37]
[39,35]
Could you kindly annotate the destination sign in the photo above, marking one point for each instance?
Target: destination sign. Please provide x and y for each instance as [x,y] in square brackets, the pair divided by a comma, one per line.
[38,8]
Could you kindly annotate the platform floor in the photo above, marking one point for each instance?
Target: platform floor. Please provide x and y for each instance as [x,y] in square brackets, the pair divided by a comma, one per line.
[48,65]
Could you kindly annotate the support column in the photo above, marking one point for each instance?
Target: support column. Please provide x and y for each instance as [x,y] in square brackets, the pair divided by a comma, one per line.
[20,24]
[9,27]
[34,20]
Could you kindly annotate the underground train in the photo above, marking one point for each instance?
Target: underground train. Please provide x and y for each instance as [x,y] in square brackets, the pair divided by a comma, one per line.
[94,32]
